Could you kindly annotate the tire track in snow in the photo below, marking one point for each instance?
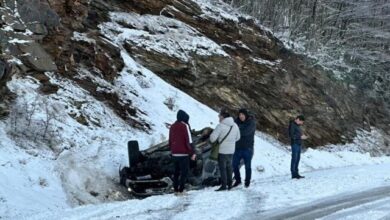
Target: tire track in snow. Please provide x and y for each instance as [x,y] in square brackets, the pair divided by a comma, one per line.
[324,207]
[208,204]
[375,210]
[180,206]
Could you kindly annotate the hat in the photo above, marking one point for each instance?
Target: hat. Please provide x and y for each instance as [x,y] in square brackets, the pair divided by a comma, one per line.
[301,117]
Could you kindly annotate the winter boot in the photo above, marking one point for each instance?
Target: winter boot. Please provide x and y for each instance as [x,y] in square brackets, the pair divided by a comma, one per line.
[221,189]
[236,183]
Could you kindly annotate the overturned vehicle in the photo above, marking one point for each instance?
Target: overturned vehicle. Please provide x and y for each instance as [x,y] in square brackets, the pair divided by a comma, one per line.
[150,171]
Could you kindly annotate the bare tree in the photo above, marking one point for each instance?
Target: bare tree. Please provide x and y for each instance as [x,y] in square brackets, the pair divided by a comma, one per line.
[352,38]
[34,122]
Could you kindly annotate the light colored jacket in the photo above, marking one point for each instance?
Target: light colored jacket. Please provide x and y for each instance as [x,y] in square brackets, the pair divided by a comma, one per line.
[229,144]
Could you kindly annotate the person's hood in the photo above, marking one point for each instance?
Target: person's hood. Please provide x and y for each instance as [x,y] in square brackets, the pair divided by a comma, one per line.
[229,121]
[248,116]
[182,116]
[245,112]
[247,120]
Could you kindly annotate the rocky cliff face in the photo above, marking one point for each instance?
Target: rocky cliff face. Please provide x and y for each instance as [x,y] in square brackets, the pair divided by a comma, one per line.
[209,51]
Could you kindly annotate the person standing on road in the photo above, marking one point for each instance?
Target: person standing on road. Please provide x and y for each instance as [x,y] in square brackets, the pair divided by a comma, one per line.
[180,143]
[226,133]
[244,147]
[296,137]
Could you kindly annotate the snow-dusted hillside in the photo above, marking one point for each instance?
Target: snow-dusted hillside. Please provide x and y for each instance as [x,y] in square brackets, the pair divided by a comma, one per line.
[60,152]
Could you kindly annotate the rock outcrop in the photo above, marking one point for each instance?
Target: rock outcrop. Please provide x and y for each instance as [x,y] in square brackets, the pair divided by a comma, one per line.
[221,58]
[42,36]
[258,73]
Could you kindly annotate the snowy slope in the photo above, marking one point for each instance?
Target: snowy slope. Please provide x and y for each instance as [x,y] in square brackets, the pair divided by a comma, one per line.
[79,165]
[88,154]
[28,184]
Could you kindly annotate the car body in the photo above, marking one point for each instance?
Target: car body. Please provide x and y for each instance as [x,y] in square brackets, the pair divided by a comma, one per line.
[150,171]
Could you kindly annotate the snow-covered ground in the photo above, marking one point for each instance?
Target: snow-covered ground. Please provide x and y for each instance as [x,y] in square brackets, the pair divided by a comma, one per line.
[263,195]
[74,173]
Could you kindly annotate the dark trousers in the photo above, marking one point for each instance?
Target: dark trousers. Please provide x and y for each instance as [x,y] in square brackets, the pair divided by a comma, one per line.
[182,164]
[246,155]
[225,168]
[295,158]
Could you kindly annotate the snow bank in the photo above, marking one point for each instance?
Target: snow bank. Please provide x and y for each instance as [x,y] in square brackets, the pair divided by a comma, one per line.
[150,208]
[28,183]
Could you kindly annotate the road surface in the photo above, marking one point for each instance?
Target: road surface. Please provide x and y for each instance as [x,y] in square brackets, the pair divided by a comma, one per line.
[325,208]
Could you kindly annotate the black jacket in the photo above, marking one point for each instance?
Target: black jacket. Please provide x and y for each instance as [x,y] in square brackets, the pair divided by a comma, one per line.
[295,133]
[247,131]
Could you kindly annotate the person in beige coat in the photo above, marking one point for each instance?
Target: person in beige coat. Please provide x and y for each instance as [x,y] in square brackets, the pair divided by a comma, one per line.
[227,133]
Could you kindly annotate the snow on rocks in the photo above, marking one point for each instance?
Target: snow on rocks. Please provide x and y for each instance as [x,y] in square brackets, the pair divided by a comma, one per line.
[161,34]
[19,41]
[82,37]
[265,62]
[219,11]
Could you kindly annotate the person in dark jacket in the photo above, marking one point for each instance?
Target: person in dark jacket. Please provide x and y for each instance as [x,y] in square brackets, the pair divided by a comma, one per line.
[296,138]
[180,143]
[244,147]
